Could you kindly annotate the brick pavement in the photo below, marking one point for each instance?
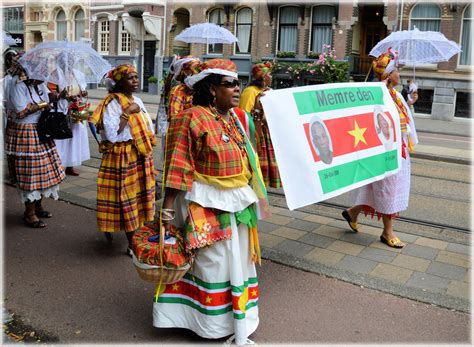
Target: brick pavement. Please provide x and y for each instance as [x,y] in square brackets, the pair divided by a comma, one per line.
[427,269]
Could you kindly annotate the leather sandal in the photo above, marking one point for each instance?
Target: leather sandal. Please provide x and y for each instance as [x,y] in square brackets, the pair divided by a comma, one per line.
[37,224]
[353,225]
[394,242]
[44,214]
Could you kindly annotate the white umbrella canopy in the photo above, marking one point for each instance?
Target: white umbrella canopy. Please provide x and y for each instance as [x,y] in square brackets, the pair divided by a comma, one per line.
[208,33]
[63,62]
[418,47]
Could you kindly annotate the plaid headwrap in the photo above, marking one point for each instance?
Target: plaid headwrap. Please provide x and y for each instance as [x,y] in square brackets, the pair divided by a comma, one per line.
[184,66]
[222,67]
[120,72]
[385,63]
[260,70]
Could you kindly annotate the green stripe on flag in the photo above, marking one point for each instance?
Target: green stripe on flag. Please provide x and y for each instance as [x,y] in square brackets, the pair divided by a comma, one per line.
[355,171]
[337,98]
[240,289]
[170,300]
[247,307]
[207,285]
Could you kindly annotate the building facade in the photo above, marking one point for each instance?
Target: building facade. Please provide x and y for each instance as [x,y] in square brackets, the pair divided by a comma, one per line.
[13,14]
[298,30]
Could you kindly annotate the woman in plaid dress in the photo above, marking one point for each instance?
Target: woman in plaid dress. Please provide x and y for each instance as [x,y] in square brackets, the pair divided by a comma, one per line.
[34,165]
[126,182]
[215,193]
[250,102]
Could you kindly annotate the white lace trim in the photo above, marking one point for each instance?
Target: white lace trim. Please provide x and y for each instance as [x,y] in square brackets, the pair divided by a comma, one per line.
[230,200]
[51,192]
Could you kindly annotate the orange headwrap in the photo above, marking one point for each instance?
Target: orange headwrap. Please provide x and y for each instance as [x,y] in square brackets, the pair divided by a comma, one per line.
[120,72]
[260,70]
[384,64]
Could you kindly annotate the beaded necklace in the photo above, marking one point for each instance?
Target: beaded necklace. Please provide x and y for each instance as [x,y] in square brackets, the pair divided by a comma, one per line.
[231,128]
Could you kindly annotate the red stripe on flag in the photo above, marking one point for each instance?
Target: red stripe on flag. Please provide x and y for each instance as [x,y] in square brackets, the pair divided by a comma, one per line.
[342,141]
[205,298]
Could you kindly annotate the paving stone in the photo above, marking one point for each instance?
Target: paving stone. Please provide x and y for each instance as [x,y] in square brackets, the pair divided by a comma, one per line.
[76,190]
[92,195]
[452,272]
[412,263]
[452,258]
[459,289]
[66,185]
[293,248]
[345,247]
[81,182]
[357,264]
[378,255]
[324,256]
[429,283]
[266,227]
[358,238]
[316,240]
[380,245]
[302,225]
[367,229]
[269,241]
[407,238]
[467,277]
[88,175]
[438,244]
[318,219]
[342,224]
[457,248]
[391,273]
[293,214]
[288,233]
[328,231]
[420,251]
[277,210]
[279,219]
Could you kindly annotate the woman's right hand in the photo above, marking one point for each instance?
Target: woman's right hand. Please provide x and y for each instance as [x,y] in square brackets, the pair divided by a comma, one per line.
[132,108]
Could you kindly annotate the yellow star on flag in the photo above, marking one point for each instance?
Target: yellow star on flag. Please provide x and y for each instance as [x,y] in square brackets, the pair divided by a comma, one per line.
[254,292]
[208,299]
[175,287]
[358,134]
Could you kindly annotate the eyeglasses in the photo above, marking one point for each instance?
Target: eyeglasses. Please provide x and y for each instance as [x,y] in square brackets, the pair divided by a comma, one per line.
[230,84]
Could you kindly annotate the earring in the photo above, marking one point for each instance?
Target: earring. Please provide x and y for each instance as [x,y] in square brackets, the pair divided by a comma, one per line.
[214,100]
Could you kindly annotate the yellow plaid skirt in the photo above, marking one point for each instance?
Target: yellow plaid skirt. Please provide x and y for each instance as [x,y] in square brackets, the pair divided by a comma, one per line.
[125,189]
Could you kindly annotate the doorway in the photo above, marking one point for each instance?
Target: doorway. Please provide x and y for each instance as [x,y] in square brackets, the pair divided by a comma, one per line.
[148,62]
[373,30]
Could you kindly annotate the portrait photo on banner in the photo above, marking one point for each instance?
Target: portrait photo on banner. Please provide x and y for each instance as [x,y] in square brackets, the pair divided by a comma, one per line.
[321,140]
[384,127]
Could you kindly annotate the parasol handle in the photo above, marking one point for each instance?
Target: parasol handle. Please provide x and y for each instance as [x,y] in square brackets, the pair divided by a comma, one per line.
[368,73]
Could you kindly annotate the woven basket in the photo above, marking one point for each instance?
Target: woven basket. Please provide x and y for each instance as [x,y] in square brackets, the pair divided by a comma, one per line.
[162,274]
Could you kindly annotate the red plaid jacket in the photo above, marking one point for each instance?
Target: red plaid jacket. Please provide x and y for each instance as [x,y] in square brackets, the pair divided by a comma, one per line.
[180,100]
[194,143]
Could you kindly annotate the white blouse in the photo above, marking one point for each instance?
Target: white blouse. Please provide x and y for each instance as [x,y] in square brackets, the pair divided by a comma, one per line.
[112,121]
[20,98]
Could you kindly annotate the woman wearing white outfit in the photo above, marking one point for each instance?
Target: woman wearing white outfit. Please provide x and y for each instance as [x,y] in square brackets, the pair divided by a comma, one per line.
[73,151]
[389,196]
[215,191]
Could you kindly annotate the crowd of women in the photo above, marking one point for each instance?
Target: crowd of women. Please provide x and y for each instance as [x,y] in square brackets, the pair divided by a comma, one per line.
[218,159]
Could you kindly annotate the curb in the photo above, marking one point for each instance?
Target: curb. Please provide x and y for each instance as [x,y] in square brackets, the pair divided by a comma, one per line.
[454,160]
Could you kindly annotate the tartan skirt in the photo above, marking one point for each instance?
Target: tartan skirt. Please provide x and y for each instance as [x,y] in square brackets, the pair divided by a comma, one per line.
[268,163]
[125,189]
[33,165]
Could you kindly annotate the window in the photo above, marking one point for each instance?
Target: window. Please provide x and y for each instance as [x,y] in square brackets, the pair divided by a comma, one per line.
[216,16]
[426,17]
[321,29]
[425,101]
[288,29]
[125,39]
[61,26]
[463,105]
[243,30]
[466,45]
[79,24]
[13,19]
[103,35]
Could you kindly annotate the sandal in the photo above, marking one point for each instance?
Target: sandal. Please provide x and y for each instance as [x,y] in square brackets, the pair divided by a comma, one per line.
[37,224]
[44,214]
[394,242]
[352,225]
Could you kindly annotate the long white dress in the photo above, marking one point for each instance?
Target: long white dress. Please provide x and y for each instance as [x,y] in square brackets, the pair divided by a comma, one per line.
[391,194]
[219,295]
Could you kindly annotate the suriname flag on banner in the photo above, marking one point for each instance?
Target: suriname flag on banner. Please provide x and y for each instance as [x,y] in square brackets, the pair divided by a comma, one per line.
[332,138]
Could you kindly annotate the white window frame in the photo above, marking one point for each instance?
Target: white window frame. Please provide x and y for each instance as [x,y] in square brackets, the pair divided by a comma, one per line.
[427,66]
[278,29]
[251,29]
[75,23]
[222,25]
[121,32]
[57,24]
[311,25]
[100,31]
[465,67]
